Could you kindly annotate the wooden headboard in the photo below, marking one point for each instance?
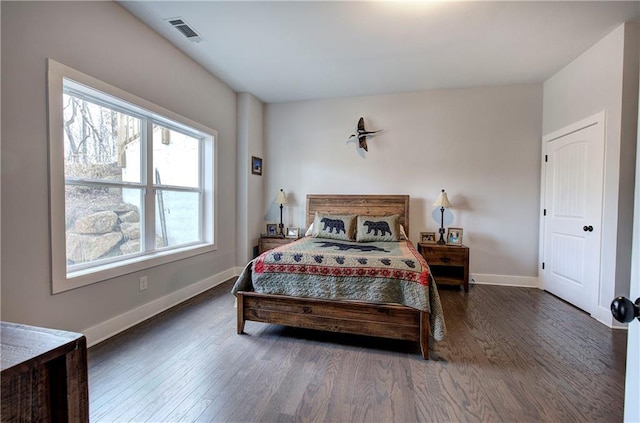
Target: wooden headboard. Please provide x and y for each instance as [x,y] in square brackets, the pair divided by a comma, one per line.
[369,205]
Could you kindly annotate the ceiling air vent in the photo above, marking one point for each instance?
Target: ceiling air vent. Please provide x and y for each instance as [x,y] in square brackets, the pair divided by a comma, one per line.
[185,29]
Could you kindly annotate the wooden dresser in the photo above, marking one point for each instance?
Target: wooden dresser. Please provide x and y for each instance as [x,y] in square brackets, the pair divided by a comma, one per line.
[449,264]
[44,375]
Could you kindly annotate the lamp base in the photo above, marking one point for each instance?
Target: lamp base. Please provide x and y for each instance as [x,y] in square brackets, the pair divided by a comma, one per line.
[441,240]
[281,225]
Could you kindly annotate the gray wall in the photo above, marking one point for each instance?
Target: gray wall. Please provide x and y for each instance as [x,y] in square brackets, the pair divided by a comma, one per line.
[106,42]
[605,77]
[250,186]
[482,145]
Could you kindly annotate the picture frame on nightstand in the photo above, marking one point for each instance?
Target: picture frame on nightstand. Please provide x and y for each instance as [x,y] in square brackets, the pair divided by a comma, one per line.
[293,233]
[454,236]
[428,237]
[272,229]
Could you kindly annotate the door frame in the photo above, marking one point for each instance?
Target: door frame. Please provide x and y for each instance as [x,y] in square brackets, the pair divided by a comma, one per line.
[596,119]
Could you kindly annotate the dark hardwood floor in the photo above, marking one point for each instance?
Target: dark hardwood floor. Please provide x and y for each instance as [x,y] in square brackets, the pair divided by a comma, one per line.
[512,355]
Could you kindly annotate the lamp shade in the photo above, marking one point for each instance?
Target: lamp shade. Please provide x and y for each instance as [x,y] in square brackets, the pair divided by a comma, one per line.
[281,198]
[442,200]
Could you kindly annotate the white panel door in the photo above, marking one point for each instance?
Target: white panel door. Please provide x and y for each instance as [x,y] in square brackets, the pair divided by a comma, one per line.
[632,379]
[574,170]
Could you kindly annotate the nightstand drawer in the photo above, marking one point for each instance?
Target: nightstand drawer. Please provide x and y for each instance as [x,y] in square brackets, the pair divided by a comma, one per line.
[448,264]
[451,256]
[266,244]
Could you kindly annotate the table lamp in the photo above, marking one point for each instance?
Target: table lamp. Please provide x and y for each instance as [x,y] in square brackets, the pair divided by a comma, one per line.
[282,200]
[443,202]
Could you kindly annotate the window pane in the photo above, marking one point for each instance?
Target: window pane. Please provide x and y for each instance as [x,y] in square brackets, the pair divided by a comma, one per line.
[176,158]
[177,217]
[100,143]
[102,222]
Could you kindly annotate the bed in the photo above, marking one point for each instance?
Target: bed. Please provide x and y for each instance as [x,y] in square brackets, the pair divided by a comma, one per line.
[413,317]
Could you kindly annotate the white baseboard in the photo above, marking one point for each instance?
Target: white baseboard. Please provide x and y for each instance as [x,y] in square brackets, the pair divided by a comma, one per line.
[115,325]
[503,280]
[603,315]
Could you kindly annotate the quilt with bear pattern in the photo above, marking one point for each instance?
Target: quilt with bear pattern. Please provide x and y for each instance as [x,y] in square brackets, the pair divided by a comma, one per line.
[376,272]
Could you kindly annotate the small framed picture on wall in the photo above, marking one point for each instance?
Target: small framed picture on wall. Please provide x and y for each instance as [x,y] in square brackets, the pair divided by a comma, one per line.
[256,165]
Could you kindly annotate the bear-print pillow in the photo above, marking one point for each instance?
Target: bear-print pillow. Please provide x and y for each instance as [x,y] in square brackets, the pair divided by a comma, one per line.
[334,226]
[378,228]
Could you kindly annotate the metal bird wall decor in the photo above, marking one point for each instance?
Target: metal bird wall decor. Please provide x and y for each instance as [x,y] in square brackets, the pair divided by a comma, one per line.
[362,134]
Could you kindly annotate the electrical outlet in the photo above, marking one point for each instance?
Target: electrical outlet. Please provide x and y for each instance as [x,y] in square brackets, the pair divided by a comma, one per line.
[143,283]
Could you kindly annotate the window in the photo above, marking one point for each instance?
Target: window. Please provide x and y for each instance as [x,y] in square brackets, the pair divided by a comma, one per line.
[132,184]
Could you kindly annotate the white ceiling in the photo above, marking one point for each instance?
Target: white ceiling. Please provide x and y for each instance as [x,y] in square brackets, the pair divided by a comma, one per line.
[288,51]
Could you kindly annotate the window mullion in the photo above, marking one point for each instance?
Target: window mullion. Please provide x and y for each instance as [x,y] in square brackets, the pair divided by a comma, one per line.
[102,183]
[201,173]
[149,192]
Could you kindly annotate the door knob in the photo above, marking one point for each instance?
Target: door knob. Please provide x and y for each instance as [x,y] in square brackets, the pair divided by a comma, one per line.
[587,228]
[623,310]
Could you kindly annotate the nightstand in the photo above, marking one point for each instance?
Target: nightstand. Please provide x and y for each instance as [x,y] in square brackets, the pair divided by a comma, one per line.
[449,264]
[267,243]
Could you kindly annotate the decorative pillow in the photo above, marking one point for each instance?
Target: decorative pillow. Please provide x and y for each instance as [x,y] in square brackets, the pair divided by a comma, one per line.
[403,234]
[378,228]
[334,226]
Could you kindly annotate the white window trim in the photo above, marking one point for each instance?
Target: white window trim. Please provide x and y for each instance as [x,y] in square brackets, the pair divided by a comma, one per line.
[61,281]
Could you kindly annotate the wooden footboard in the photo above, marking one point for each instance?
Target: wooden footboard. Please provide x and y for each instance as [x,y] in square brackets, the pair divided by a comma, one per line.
[383,320]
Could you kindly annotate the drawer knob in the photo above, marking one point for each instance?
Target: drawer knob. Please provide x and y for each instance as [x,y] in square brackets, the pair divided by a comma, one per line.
[445,259]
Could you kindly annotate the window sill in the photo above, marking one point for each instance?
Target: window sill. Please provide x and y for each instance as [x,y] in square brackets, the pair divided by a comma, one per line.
[95,274]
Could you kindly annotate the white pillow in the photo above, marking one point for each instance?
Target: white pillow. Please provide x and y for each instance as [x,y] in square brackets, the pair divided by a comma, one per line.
[403,234]
[309,231]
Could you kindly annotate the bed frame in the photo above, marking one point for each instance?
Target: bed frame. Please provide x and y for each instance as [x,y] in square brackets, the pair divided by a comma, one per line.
[356,317]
